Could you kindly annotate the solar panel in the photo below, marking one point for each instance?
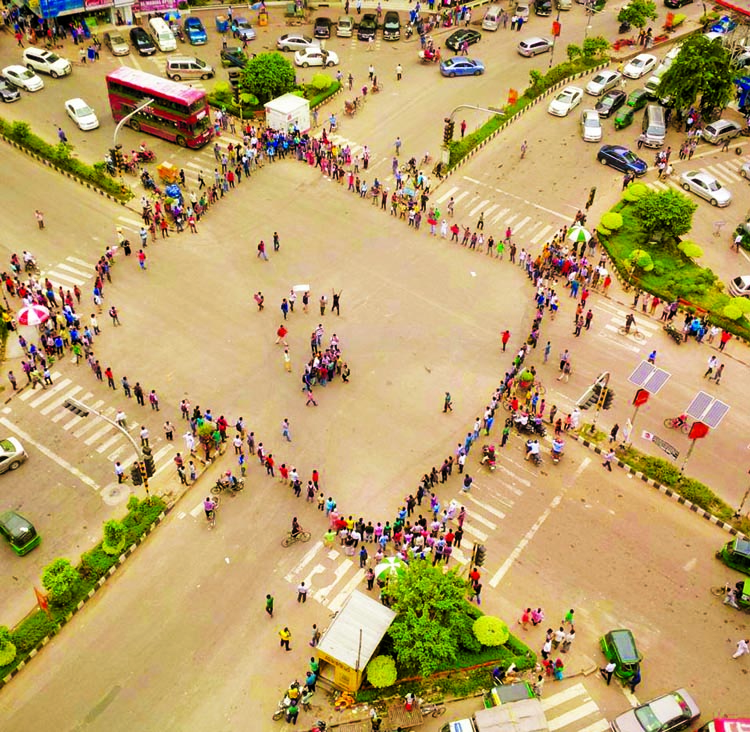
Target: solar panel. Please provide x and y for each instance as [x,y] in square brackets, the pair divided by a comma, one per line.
[699,405]
[715,414]
[647,376]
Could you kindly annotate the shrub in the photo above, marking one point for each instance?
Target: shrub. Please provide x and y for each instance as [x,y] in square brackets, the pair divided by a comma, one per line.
[612,220]
[114,537]
[690,249]
[31,632]
[491,631]
[662,471]
[95,563]
[465,632]
[7,648]
[701,495]
[381,672]
[60,579]
[321,82]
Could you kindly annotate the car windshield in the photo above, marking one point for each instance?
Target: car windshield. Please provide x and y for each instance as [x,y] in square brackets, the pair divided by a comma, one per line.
[608,101]
[628,156]
[713,185]
[7,446]
[52,57]
[599,79]
[116,39]
[647,719]
[565,96]
[25,74]
[591,122]
[84,111]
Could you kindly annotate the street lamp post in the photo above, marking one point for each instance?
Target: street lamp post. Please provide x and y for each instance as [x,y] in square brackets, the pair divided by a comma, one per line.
[127,117]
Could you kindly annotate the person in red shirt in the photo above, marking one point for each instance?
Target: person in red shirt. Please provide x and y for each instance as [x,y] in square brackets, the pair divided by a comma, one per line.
[281,333]
[505,338]
[315,477]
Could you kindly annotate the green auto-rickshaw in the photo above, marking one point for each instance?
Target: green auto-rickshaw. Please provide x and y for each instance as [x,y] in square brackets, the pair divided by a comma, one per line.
[736,554]
[619,646]
[624,117]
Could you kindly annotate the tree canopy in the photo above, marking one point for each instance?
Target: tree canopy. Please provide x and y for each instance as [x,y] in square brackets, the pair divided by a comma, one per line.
[701,74]
[432,617]
[637,13]
[665,215]
[267,76]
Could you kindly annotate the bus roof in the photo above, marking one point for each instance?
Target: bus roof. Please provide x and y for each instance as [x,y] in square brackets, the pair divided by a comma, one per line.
[164,87]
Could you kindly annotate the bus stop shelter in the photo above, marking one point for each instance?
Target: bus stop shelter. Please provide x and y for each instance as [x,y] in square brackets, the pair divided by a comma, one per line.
[351,639]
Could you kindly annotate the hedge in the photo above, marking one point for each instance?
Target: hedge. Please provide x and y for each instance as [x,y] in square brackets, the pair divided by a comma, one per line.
[59,156]
[94,564]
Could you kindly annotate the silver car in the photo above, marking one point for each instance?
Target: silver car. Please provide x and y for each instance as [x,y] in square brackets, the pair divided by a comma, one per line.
[12,454]
[721,130]
[591,126]
[602,82]
[296,42]
[668,713]
[706,186]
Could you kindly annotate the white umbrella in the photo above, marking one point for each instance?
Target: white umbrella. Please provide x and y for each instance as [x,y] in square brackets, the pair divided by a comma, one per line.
[33,315]
[577,233]
[390,567]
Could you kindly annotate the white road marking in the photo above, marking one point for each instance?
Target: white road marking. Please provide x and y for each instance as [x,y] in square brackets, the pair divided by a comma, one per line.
[468,528]
[75,260]
[447,194]
[521,224]
[487,508]
[49,393]
[498,217]
[51,455]
[305,561]
[58,403]
[111,441]
[322,594]
[74,270]
[473,180]
[99,434]
[599,726]
[542,233]
[630,696]
[338,601]
[572,716]
[561,697]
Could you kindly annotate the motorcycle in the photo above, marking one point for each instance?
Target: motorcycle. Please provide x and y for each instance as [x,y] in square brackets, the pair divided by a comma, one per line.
[488,457]
[535,457]
[230,484]
[149,183]
[507,676]
[409,32]
[286,702]
[144,155]
[673,333]
[557,451]
[533,426]
[30,266]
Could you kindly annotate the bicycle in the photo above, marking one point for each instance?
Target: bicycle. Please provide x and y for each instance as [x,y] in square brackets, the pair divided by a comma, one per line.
[291,538]
[211,516]
[436,709]
[673,423]
[632,331]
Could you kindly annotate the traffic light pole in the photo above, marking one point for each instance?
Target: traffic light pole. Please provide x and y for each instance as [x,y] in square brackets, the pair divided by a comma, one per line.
[84,410]
[450,121]
[125,120]
[603,380]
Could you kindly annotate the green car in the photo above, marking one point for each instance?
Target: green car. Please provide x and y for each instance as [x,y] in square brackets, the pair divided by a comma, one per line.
[736,554]
[19,532]
[638,99]
[624,117]
[619,646]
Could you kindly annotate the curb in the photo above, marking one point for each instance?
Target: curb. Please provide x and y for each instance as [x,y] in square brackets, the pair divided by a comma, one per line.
[666,491]
[72,177]
[100,583]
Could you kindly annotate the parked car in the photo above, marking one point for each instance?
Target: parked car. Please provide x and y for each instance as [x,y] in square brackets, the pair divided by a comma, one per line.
[368,27]
[391,26]
[522,11]
[722,129]
[114,41]
[565,101]
[461,66]
[638,99]
[22,78]
[591,126]
[296,42]
[640,66]
[456,39]
[243,29]
[724,25]
[534,46]
[621,158]
[624,117]
[619,646]
[543,7]
[38,59]
[142,41]
[610,102]
[315,57]
[12,454]
[602,82]
[345,26]
[668,713]
[745,171]
[322,27]
[706,186]
[19,532]
[8,93]
[81,114]
[564,4]
[195,31]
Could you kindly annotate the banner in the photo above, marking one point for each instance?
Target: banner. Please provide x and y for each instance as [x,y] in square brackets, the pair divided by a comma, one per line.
[155,6]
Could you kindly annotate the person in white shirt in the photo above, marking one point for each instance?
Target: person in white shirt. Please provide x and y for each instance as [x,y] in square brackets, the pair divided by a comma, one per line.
[742,648]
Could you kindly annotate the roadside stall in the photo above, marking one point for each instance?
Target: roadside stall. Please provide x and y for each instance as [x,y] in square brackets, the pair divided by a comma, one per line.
[287,112]
[351,639]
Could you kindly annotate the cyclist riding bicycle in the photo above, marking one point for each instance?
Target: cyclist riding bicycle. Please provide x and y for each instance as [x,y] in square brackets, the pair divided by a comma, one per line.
[629,322]
[209,505]
[296,528]
[681,420]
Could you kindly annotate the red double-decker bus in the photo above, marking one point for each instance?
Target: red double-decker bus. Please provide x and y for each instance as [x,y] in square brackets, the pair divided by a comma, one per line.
[178,113]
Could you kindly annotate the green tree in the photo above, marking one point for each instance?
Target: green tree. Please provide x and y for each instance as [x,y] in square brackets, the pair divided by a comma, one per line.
[701,74]
[637,13]
[665,215]
[114,537]
[7,649]
[430,608]
[267,76]
[594,47]
[60,579]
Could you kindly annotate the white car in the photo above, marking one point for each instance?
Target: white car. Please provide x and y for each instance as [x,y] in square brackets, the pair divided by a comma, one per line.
[640,66]
[740,286]
[745,171]
[706,186]
[81,114]
[569,98]
[22,78]
[522,11]
[602,82]
[315,57]
[39,59]
[591,126]
[296,42]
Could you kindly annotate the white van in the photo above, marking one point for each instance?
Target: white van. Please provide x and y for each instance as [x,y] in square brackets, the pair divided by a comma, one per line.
[162,34]
[492,17]
[188,67]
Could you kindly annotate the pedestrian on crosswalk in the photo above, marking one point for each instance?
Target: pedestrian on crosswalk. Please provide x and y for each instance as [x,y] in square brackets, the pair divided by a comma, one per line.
[144,436]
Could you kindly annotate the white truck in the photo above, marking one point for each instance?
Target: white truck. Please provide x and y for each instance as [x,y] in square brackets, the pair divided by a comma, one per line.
[525,715]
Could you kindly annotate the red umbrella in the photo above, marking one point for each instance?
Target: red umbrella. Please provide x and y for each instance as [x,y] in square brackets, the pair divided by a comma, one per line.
[33,315]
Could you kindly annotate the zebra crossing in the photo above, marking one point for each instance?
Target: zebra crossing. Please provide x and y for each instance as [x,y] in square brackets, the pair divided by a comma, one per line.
[92,431]
[572,707]
[70,272]
[613,318]
[727,172]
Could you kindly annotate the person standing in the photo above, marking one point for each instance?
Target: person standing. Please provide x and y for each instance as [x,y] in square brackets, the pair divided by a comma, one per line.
[743,647]
[269,605]
[717,376]
[12,380]
[302,592]
[712,363]
[285,430]
[336,301]
[281,335]
[613,433]
[399,72]
[39,218]
[635,679]
[505,338]
[607,671]
[285,636]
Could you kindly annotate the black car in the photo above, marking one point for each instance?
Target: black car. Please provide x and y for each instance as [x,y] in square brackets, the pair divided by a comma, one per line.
[8,93]
[322,28]
[391,26]
[611,102]
[677,3]
[543,7]
[368,27]
[142,41]
[456,39]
